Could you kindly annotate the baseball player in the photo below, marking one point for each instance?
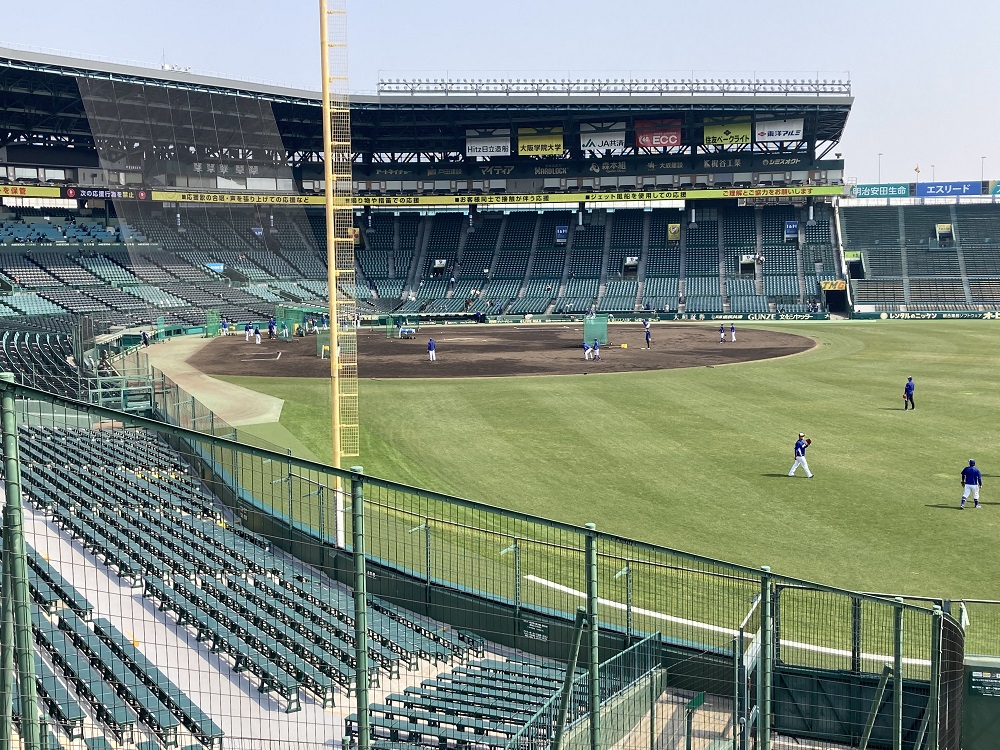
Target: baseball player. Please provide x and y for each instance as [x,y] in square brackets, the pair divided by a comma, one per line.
[588,351]
[908,394]
[432,350]
[597,350]
[732,332]
[256,334]
[972,480]
[247,329]
[800,455]
[722,334]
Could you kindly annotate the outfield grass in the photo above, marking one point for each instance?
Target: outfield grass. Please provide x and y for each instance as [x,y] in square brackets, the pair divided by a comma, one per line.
[696,459]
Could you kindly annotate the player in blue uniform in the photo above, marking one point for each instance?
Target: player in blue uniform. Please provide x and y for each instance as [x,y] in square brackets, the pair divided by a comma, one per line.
[800,455]
[908,394]
[588,351]
[732,332]
[972,480]
[597,350]
[722,334]
[432,350]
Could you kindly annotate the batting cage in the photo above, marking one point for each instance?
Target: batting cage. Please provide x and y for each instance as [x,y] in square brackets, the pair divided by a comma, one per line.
[401,327]
[596,327]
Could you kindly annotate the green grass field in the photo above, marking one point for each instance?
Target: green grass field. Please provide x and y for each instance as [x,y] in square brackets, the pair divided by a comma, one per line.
[697,459]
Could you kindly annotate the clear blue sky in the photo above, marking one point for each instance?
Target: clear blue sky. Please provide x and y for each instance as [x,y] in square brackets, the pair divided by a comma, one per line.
[924,74]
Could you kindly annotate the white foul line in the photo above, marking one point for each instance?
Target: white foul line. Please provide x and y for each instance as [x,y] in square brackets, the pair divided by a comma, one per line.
[716,628]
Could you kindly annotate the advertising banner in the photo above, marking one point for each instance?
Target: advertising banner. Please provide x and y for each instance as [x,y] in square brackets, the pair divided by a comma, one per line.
[771,131]
[562,235]
[726,132]
[886,190]
[994,187]
[26,191]
[946,189]
[611,141]
[673,232]
[602,136]
[531,142]
[657,133]
[833,285]
[791,230]
[495,146]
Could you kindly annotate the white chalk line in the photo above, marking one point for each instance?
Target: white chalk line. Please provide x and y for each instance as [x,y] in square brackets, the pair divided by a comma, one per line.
[880,658]
[263,358]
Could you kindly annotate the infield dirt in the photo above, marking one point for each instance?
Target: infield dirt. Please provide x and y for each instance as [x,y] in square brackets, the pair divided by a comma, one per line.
[501,351]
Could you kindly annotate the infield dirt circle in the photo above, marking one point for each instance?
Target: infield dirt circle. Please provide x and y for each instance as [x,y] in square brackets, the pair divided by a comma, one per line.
[501,351]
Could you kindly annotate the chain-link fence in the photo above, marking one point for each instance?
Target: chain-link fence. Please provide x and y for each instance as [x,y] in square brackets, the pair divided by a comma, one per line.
[188,588]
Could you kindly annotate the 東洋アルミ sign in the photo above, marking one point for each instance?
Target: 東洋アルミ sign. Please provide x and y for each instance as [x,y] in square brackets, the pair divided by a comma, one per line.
[772,131]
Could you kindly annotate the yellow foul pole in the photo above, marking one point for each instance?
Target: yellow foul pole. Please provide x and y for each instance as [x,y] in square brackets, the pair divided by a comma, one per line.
[337,160]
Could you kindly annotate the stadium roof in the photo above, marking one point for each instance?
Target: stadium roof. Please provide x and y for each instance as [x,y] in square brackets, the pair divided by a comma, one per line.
[41,103]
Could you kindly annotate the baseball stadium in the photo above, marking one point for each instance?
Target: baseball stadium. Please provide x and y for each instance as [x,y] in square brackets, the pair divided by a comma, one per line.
[460,415]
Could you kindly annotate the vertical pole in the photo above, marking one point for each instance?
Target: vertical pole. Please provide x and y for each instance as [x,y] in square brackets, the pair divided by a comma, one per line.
[427,551]
[764,663]
[776,621]
[322,512]
[934,699]
[595,684]
[653,696]
[331,230]
[517,574]
[897,675]
[628,599]
[736,692]
[360,607]
[291,495]
[6,654]
[567,690]
[15,555]
[688,728]
[855,634]
[742,687]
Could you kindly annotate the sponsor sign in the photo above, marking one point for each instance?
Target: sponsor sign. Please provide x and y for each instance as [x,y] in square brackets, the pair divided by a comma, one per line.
[984,683]
[631,260]
[852,255]
[217,267]
[440,263]
[612,141]
[791,230]
[657,133]
[562,235]
[530,142]
[602,136]
[771,131]
[887,190]
[833,285]
[726,133]
[945,189]
[487,147]
[994,187]
[943,228]
[26,191]
[673,232]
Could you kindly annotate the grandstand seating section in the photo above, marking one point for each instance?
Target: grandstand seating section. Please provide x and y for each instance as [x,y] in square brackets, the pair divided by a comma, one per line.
[130,270]
[140,511]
